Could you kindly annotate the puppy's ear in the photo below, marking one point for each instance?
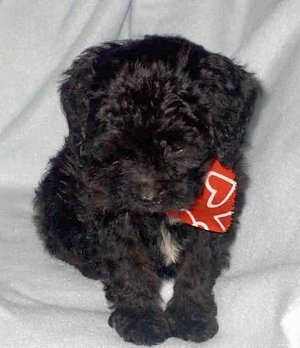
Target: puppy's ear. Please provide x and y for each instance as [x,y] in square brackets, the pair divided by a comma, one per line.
[82,82]
[228,93]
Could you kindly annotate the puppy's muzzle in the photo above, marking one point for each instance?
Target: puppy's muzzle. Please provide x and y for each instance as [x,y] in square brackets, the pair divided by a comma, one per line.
[148,195]
[147,192]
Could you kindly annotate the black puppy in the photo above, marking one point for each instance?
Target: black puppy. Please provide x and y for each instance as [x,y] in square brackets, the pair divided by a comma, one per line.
[146,119]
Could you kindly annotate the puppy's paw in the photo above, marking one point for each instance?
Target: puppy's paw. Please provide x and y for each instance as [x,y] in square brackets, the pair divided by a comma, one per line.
[191,326]
[140,326]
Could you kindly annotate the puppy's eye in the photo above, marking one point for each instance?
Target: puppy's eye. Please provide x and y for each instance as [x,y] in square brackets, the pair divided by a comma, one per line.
[177,152]
[163,144]
[177,149]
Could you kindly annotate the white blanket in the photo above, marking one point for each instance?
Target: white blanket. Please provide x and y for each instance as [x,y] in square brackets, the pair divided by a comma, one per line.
[47,303]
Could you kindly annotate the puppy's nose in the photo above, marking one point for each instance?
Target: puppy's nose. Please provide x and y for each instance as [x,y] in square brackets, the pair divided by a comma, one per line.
[147,194]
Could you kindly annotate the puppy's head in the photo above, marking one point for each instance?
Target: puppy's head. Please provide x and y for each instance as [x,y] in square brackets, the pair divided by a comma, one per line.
[149,115]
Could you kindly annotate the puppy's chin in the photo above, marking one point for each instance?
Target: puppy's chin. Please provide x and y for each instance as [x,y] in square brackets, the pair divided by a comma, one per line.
[144,208]
[158,207]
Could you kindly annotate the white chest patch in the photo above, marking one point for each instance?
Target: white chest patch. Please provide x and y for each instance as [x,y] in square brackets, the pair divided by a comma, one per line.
[169,247]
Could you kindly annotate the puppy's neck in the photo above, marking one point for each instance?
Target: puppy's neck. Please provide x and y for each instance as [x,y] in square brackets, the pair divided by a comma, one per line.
[213,209]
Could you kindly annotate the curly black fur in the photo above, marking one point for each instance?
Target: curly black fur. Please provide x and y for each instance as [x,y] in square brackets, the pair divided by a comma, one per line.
[146,117]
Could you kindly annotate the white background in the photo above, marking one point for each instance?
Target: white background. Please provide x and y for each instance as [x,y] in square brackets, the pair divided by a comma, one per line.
[46,303]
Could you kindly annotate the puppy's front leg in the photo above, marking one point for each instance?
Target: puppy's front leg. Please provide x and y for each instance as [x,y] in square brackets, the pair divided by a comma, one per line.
[133,289]
[192,310]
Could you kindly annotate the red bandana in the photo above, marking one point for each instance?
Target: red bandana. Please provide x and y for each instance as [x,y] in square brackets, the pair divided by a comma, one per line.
[213,208]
